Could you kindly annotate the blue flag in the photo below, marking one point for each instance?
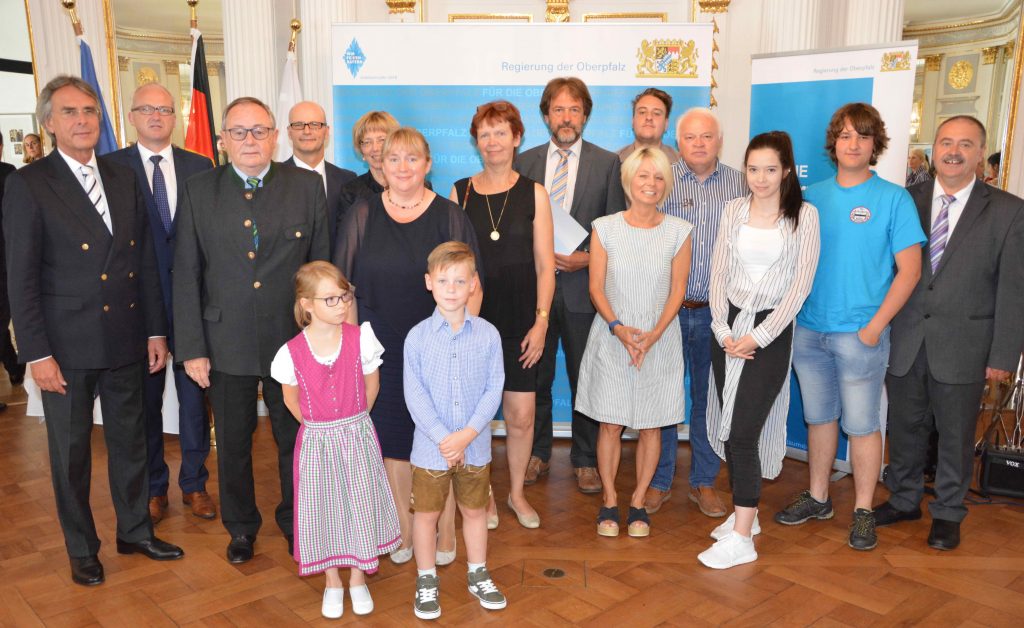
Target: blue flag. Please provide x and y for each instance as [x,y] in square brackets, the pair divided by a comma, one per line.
[107,143]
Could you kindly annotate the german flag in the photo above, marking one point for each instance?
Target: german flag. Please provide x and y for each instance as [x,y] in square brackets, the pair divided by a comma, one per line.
[200,133]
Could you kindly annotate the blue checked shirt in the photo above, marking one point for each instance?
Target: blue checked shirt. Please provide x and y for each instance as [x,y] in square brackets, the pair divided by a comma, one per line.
[702,204]
[452,381]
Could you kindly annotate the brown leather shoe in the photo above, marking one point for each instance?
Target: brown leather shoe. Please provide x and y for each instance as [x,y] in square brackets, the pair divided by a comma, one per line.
[588,480]
[534,469]
[708,501]
[202,504]
[157,508]
[654,498]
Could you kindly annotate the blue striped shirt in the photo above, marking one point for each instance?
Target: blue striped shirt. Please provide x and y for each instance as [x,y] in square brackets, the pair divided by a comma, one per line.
[452,380]
[701,204]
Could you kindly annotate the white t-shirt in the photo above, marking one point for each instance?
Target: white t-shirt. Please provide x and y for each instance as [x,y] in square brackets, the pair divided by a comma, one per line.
[282,369]
[758,249]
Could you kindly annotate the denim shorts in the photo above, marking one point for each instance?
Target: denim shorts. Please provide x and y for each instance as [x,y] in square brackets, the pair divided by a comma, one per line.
[841,378]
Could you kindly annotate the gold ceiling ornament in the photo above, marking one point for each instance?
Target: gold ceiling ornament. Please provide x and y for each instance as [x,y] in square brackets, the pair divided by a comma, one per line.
[960,75]
[988,55]
[714,6]
[401,6]
[69,6]
[557,11]
[933,63]
[1008,50]
[296,26]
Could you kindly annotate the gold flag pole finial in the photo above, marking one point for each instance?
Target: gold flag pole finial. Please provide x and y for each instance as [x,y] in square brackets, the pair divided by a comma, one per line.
[69,5]
[193,17]
[296,26]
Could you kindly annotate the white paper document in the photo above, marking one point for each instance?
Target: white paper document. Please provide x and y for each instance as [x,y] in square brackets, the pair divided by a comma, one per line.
[568,233]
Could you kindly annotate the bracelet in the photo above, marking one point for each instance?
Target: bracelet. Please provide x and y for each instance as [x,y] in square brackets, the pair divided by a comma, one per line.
[542,313]
[612,325]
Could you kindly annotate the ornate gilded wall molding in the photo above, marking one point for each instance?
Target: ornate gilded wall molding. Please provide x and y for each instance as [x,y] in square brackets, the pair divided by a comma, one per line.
[122,63]
[988,55]
[714,6]
[171,67]
[933,63]
[401,6]
[557,11]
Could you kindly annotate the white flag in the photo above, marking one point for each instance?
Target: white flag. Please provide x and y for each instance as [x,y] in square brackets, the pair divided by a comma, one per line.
[291,93]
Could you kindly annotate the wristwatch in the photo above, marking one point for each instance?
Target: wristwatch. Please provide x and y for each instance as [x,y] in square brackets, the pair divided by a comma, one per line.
[542,313]
[612,325]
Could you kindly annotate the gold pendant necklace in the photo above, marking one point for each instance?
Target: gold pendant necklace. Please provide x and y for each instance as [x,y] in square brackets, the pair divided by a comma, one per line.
[495,234]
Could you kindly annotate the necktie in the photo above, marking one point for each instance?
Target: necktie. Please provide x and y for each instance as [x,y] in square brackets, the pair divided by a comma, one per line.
[163,206]
[560,183]
[253,183]
[92,189]
[940,232]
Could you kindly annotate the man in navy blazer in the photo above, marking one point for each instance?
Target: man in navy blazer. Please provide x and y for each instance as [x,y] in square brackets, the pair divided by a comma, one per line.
[152,115]
[308,132]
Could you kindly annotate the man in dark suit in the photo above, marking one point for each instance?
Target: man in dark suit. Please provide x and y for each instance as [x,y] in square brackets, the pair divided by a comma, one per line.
[960,327]
[88,314]
[244,229]
[584,180]
[161,171]
[308,132]
[15,371]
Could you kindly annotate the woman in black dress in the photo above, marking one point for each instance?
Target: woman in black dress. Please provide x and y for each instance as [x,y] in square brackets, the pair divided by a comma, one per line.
[382,248]
[368,135]
[512,218]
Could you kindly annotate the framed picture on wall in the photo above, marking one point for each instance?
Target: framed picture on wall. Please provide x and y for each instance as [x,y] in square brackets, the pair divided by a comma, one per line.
[14,126]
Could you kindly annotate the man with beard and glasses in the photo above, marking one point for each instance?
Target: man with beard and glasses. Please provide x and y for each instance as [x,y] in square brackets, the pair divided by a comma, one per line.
[583,180]
[960,327]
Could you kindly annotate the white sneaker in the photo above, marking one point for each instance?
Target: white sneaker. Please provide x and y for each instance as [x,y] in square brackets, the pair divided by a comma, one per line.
[334,603]
[444,558]
[724,529]
[362,603]
[731,551]
[400,556]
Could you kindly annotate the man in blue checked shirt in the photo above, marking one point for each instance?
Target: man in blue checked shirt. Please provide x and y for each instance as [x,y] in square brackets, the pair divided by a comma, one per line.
[453,378]
[701,187]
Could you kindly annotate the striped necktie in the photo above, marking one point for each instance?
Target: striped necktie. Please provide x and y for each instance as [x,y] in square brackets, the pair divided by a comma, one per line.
[940,232]
[560,183]
[254,183]
[92,189]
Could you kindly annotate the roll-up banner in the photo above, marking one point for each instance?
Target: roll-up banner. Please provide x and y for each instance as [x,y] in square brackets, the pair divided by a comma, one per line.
[434,76]
[798,93]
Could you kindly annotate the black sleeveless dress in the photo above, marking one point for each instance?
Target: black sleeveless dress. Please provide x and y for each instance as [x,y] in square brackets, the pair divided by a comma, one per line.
[510,274]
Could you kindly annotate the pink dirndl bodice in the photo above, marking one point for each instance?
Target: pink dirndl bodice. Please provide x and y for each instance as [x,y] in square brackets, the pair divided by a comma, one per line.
[329,392]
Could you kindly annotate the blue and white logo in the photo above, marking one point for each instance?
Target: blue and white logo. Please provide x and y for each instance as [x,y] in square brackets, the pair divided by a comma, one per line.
[354,57]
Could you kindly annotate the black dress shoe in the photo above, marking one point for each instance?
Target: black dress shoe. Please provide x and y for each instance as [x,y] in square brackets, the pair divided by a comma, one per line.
[87,571]
[152,548]
[886,514]
[945,535]
[240,548]
[3,406]
[291,543]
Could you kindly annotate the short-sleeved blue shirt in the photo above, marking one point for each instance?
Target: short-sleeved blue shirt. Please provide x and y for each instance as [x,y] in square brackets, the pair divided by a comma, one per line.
[862,229]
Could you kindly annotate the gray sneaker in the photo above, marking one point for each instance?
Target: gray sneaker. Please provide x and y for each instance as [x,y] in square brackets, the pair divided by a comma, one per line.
[805,507]
[862,530]
[426,605]
[481,585]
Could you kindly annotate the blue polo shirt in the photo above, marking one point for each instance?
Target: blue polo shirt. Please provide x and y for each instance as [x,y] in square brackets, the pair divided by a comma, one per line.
[862,229]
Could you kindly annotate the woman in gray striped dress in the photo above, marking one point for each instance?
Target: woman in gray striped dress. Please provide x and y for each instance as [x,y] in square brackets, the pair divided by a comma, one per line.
[639,263]
[761,271]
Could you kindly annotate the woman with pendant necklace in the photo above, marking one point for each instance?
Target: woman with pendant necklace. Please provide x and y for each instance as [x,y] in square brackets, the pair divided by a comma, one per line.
[511,215]
[382,248]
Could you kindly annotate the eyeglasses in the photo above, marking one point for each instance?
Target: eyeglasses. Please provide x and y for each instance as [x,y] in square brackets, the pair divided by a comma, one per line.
[238,133]
[298,126]
[333,301]
[148,110]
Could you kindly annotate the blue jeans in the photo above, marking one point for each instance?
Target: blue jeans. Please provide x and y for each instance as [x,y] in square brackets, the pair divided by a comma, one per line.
[704,463]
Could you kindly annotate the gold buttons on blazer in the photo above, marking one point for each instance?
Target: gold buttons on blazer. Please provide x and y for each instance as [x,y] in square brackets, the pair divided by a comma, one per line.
[131,243]
[131,275]
[103,277]
[256,285]
[131,307]
[248,196]
[247,223]
[85,246]
[106,308]
[298,234]
[252,255]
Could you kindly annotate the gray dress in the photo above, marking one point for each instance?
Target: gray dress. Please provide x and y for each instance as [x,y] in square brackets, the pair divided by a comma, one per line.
[637,285]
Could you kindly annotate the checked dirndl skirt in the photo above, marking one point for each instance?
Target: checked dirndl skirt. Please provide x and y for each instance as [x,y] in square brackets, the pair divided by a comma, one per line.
[344,513]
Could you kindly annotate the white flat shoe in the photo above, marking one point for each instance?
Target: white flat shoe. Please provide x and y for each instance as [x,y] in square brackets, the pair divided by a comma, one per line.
[362,603]
[400,556]
[731,551]
[527,521]
[726,527]
[444,558]
[492,521]
[334,603]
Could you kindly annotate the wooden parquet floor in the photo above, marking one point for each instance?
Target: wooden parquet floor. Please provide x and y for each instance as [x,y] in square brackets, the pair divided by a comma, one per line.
[805,575]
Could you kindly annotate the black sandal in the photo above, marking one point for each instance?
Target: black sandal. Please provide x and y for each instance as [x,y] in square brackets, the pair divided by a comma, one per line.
[639,522]
[606,515]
